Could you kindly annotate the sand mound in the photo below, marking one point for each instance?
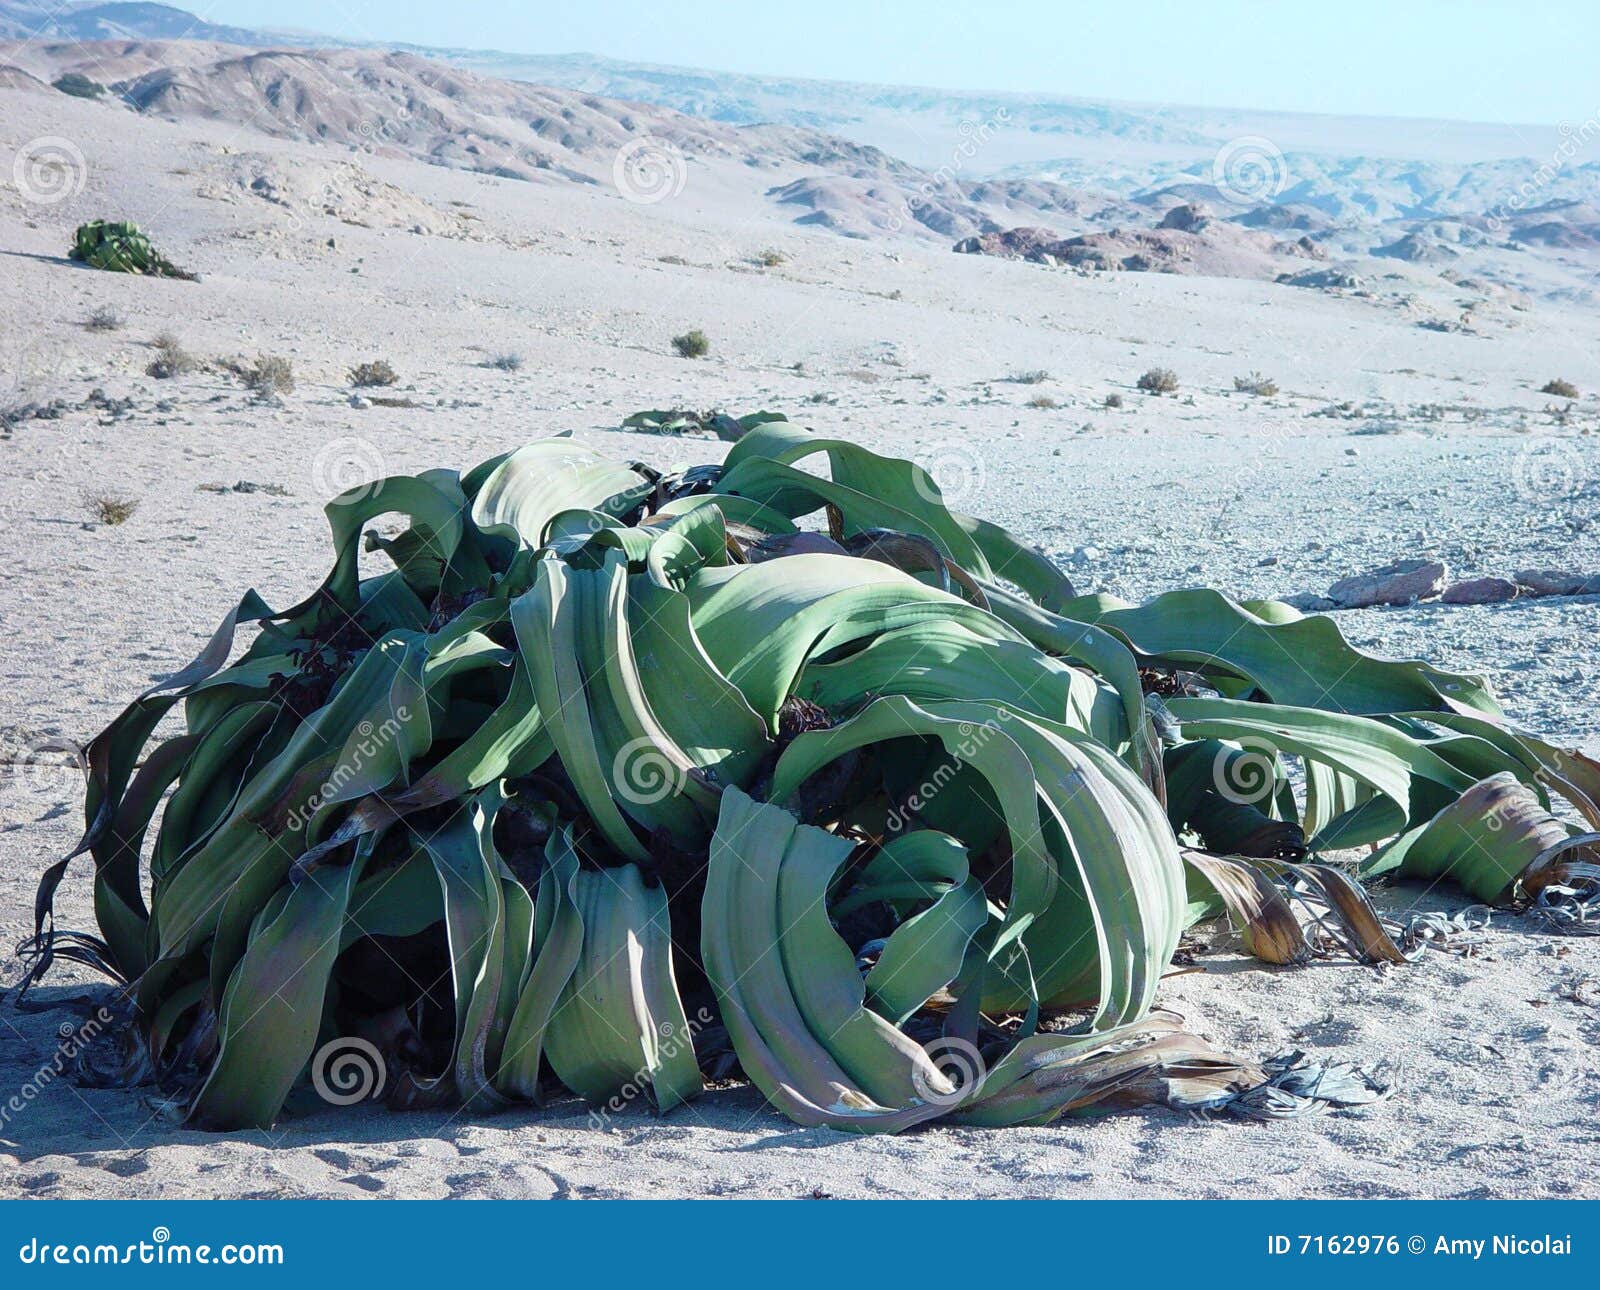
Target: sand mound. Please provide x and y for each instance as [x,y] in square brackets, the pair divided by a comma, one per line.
[14,78]
[340,189]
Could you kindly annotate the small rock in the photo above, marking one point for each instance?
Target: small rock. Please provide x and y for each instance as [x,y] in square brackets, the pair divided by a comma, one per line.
[1188,218]
[1556,582]
[1399,583]
[1308,603]
[1479,591]
[1352,452]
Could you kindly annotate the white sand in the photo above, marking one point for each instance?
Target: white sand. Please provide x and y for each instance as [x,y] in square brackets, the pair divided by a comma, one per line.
[1498,1052]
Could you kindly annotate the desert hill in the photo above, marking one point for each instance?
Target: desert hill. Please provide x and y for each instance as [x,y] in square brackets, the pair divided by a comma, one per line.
[825,155]
[398,104]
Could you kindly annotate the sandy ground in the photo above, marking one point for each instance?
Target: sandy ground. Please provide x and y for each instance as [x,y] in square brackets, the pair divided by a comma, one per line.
[907,350]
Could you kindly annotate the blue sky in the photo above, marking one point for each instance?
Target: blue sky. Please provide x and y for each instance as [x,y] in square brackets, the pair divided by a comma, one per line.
[1533,61]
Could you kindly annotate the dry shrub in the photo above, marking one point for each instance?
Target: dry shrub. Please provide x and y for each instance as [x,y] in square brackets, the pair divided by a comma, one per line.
[377,372]
[1159,380]
[110,508]
[171,359]
[1261,386]
[269,374]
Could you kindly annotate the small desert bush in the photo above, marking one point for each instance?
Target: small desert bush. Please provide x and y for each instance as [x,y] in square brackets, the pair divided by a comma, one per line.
[771,258]
[171,359]
[110,508]
[79,86]
[104,318]
[1159,380]
[377,372]
[1261,386]
[1113,400]
[504,362]
[692,344]
[1034,376]
[1042,402]
[1561,389]
[269,374]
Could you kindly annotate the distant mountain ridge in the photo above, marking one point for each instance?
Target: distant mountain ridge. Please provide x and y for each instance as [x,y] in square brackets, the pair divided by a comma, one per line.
[825,156]
[400,104]
[917,123]
[31,20]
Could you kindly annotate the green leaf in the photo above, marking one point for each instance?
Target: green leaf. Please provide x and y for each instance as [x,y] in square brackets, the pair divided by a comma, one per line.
[619,1026]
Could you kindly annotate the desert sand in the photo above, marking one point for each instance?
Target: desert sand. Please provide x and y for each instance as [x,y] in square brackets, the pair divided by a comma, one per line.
[1385,439]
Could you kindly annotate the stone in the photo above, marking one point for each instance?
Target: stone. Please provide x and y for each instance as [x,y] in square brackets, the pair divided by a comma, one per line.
[1399,583]
[1308,603]
[1479,591]
[1188,218]
[1557,582]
